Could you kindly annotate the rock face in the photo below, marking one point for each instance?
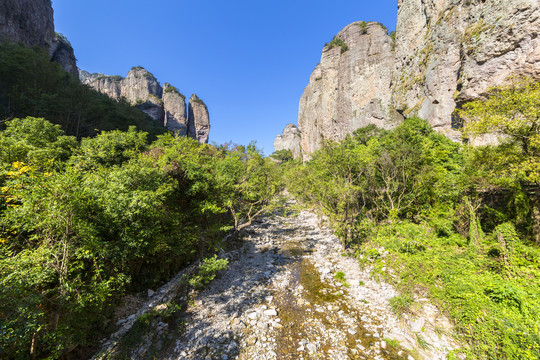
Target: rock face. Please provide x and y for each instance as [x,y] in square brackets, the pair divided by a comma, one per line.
[174,105]
[198,119]
[62,52]
[446,53]
[31,22]
[289,140]
[166,105]
[450,52]
[350,88]
[28,21]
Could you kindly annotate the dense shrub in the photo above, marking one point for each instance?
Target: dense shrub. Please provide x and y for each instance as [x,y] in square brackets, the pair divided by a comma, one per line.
[81,224]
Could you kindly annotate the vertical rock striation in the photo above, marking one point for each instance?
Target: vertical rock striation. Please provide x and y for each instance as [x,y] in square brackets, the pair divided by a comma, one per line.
[198,119]
[174,104]
[27,21]
[31,22]
[350,88]
[446,53]
[62,52]
[449,52]
[166,105]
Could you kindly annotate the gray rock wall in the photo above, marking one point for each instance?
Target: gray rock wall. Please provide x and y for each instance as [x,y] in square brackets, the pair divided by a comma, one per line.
[289,140]
[166,106]
[28,21]
[349,88]
[31,22]
[198,119]
[174,104]
[446,53]
[449,52]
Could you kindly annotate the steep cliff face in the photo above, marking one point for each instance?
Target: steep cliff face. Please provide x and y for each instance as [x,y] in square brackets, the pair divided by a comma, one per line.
[174,104]
[447,52]
[350,88]
[62,52]
[165,105]
[31,22]
[28,21]
[289,140]
[198,119]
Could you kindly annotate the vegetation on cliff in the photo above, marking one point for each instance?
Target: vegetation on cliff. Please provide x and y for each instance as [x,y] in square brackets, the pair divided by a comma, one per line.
[32,85]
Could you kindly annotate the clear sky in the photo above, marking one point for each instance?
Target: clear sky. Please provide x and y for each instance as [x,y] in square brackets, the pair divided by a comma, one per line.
[248,60]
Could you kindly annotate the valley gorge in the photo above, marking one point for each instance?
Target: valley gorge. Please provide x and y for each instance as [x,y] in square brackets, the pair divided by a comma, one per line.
[442,55]
[124,234]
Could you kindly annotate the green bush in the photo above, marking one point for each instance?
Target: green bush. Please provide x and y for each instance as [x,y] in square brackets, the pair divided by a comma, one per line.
[337,42]
[32,85]
[208,270]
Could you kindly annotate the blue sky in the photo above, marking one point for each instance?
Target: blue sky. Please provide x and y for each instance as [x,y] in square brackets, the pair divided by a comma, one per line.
[248,60]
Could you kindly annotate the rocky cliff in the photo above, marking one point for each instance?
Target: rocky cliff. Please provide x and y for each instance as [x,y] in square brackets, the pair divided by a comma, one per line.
[198,119]
[174,106]
[31,22]
[166,106]
[446,52]
[289,140]
[449,52]
[349,88]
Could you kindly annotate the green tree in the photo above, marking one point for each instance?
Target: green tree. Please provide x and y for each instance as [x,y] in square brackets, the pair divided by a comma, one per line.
[36,142]
[512,112]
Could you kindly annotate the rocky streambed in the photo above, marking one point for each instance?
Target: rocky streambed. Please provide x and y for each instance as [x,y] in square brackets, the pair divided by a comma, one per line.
[290,293]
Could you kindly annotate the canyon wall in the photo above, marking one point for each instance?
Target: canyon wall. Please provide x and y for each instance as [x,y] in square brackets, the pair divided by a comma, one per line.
[31,22]
[443,54]
[165,105]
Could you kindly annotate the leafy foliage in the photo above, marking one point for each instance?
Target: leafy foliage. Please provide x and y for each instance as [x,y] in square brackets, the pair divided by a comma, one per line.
[207,271]
[337,42]
[443,220]
[513,112]
[82,223]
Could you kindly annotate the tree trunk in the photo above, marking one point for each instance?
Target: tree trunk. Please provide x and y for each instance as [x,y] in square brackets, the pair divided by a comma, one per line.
[536,218]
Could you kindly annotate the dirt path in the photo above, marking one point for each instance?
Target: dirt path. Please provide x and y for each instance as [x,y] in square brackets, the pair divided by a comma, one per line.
[290,294]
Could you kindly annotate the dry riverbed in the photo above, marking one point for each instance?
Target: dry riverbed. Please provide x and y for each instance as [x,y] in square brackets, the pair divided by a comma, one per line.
[289,293]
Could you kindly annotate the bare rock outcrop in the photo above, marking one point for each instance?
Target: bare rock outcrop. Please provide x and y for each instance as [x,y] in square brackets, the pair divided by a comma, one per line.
[198,119]
[174,104]
[165,105]
[449,52]
[446,53]
[31,22]
[140,88]
[289,140]
[27,21]
[350,88]
[62,52]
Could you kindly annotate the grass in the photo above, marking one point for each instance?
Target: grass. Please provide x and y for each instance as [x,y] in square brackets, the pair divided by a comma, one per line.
[340,276]
[494,303]
[392,343]
[401,304]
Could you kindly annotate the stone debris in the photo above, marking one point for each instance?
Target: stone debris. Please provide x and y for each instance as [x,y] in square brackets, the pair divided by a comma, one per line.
[279,300]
